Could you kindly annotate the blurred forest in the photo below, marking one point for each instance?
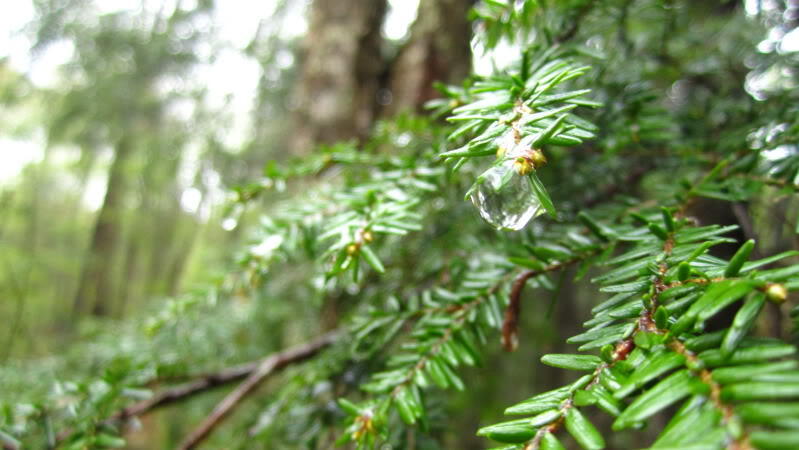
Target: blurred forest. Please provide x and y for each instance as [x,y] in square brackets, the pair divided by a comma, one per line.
[130,157]
[148,151]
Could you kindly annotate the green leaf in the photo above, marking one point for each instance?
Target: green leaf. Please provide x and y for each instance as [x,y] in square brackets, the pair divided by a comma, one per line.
[705,341]
[717,297]
[636,286]
[544,136]
[584,398]
[672,389]
[779,274]
[372,259]
[654,366]
[737,261]
[748,267]
[689,425]
[437,373]
[605,400]
[613,301]
[550,442]
[728,375]
[747,355]
[597,228]
[572,362]
[546,417]
[108,441]
[744,319]
[540,403]
[658,231]
[512,432]
[760,391]
[600,331]
[583,431]
[467,152]
[543,197]
[776,440]
[767,413]
[453,379]
[609,338]
[405,406]
[348,406]
[662,317]
[668,219]
[683,271]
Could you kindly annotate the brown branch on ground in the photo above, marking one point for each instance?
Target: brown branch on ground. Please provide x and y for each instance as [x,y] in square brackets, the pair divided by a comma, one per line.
[263,369]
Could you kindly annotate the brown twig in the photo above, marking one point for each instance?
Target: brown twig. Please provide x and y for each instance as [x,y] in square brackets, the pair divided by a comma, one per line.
[177,393]
[265,368]
[212,380]
[510,336]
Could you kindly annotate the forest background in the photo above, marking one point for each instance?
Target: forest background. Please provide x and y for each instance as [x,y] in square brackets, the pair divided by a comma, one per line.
[148,150]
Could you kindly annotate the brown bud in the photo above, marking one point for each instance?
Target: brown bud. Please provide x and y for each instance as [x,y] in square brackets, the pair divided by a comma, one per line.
[353,249]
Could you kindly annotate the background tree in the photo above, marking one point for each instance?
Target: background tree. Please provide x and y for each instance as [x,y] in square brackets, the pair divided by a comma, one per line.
[603,156]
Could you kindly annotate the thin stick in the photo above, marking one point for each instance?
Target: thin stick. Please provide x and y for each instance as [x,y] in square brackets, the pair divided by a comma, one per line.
[510,338]
[265,368]
[177,393]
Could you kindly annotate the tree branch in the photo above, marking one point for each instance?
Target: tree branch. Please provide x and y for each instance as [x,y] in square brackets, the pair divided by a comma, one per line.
[177,393]
[209,381]
[261,371]
[510,337]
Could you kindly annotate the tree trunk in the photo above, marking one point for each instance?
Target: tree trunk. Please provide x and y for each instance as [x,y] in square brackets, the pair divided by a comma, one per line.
[342,64]
[343,73]
[438,50]
[96,285]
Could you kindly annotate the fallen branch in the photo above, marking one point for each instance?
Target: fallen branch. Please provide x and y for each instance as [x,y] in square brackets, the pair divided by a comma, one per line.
[262,370]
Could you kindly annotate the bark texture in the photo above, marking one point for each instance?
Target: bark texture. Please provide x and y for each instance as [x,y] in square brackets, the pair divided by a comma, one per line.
[438,50]
[342,65]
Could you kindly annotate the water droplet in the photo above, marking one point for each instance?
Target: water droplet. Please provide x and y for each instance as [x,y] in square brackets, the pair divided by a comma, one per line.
[504,198]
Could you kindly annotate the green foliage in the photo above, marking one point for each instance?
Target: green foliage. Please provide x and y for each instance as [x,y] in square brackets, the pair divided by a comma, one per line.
[641,127]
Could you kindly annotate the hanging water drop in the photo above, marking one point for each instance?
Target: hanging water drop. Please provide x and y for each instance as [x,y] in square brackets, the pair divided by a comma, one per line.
[505,198]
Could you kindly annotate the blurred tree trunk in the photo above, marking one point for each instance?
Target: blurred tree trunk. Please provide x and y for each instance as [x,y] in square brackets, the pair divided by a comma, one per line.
[344,72]
[342,64]
[438,50]
[181,251]
[96,286]
[132,265]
